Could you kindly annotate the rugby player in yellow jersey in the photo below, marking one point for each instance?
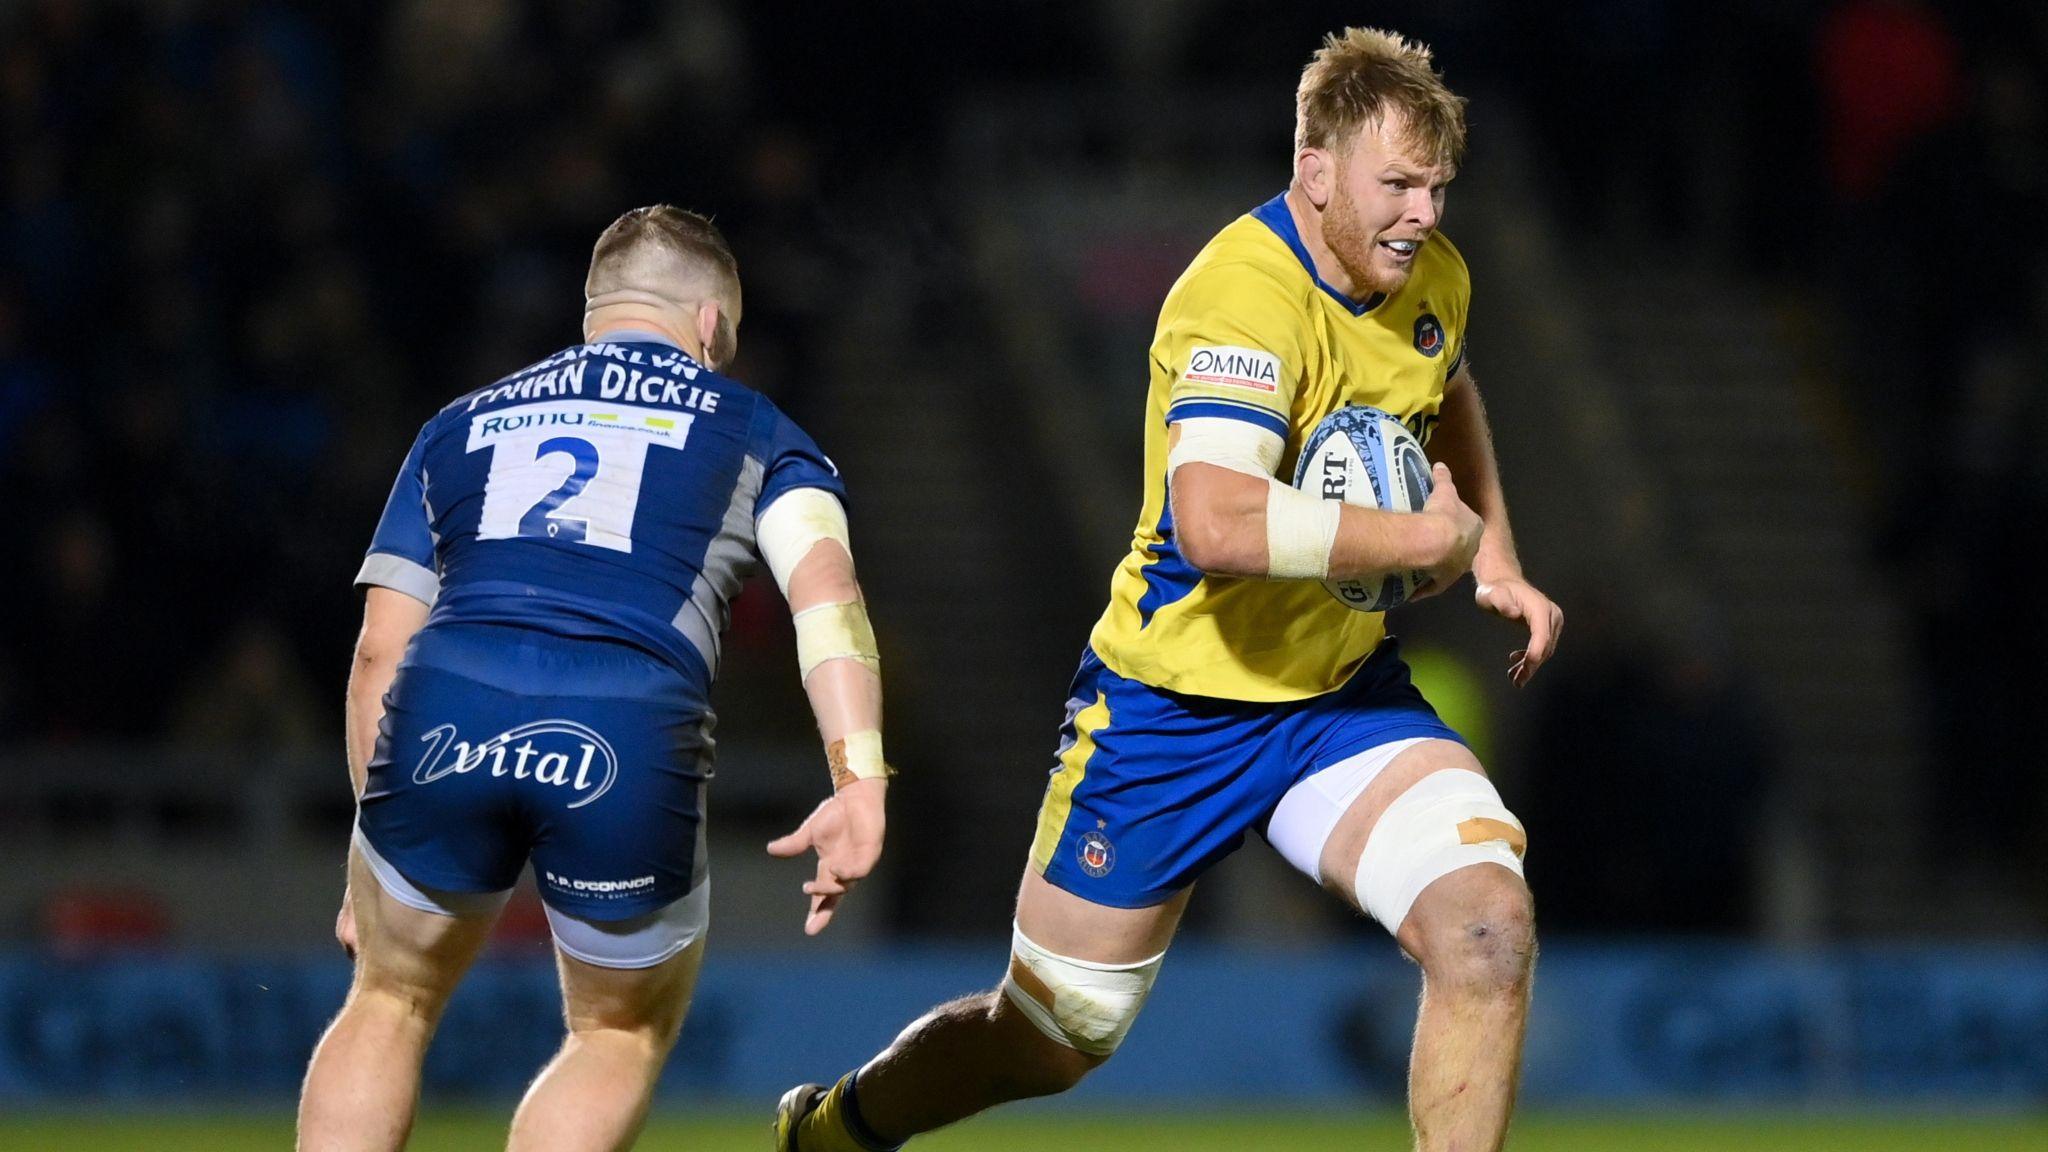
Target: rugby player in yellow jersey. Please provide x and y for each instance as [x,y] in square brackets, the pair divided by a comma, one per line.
[1226,691]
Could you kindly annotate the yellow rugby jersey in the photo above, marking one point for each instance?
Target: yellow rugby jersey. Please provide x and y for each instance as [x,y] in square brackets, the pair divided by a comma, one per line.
[1250,332]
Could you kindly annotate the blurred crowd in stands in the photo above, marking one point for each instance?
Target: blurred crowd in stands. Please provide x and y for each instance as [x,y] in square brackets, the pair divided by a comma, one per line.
[1936,147]
[1883,164]
[250,245]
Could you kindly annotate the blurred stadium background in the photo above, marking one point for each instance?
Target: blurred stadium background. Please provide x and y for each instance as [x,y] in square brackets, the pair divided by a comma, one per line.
[1761,312]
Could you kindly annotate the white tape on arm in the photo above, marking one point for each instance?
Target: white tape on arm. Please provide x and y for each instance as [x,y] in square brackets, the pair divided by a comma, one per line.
[1300,529]
[789,528]
[834,632]
[1300,532]
[857,756]
[1238,445]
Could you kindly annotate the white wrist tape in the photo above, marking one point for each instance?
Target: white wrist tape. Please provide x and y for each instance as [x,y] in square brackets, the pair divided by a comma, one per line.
[1300,532]
[1449,819]
[1300,529]
[857,756]
[788,528]
[835,632]
[1086,1006]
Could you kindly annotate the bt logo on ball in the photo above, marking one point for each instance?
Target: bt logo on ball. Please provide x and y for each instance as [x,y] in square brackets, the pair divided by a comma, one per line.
[557,753]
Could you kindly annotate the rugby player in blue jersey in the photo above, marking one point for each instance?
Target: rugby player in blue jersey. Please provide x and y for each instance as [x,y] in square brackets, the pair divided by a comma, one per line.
[545,596]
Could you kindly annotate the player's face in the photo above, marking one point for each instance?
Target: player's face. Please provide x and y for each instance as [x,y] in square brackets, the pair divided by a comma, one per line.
[1384,205]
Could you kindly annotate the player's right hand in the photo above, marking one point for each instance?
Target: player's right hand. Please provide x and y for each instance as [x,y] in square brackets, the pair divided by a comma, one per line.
[846,831]
[1463,528]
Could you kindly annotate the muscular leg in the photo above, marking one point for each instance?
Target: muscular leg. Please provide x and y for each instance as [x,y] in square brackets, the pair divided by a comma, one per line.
[363,1086]
[980,1051]
[622,1022]
[1473,933]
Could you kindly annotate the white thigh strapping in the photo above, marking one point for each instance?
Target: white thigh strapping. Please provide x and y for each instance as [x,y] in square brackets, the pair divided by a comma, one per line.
[1448,820]
[434,900]
[1306,816]
[639,942]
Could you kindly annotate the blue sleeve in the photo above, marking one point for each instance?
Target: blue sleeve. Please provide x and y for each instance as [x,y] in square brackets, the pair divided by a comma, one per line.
[1228,410]
[791,459]
[402,552]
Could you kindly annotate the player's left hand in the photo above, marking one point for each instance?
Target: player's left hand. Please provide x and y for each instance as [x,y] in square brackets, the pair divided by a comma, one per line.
[345,923]
[1516,599]
[846,831]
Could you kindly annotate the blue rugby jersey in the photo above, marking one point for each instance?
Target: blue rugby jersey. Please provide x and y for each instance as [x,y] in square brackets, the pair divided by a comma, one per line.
[608,491]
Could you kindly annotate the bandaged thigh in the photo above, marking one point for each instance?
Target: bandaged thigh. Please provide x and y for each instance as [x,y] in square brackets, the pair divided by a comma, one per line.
[1086,1006]
[1448,820]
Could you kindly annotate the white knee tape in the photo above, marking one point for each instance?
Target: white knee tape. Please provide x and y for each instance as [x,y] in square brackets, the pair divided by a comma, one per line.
[1447,820]
[1086,1006]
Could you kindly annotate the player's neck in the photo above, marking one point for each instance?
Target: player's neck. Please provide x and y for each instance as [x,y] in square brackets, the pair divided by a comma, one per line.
[1308,224]
[620,318]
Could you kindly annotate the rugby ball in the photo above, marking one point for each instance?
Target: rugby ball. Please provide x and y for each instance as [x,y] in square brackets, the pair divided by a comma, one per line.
[1364,456]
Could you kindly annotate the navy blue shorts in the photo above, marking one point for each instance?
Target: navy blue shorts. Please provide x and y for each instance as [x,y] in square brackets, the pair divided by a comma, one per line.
[603,792]
[1154,787]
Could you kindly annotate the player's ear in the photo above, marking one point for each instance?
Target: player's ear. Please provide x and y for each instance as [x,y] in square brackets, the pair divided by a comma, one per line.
[707,331]
[1316,170]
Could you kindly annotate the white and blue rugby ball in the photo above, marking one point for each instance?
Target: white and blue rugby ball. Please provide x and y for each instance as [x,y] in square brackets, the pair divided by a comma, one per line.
[1364,456]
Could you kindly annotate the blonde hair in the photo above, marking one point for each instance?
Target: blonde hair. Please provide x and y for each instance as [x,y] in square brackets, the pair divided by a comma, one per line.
[1358,75]
[662,247]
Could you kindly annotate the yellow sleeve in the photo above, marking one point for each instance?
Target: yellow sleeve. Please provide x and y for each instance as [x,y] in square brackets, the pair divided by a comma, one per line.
[1230,344]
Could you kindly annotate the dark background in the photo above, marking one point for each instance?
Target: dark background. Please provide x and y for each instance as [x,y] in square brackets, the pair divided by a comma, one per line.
[1761,307]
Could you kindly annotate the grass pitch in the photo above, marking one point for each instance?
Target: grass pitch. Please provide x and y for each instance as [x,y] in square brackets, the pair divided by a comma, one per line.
[459,1131]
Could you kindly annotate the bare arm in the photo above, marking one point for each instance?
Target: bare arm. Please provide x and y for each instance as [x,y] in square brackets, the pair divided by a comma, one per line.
[1464,440]
[390,618]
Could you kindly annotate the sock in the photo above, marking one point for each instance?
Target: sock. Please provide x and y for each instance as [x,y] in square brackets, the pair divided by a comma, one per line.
[835,1125]
[855,1122]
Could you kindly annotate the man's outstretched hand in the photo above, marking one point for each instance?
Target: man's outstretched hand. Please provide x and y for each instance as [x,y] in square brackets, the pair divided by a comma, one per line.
[846,832]
[1514,598]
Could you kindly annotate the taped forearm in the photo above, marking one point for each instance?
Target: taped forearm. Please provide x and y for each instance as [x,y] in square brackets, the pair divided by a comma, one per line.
[1301,533]
[835,643]
[835,632]
[1300,529]
[846,697]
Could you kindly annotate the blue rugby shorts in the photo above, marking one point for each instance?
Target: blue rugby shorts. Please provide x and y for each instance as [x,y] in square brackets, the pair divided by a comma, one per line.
[569,754]
[1153,787]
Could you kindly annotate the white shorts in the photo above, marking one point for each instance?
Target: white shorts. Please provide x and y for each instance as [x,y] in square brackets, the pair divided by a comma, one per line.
[639,942]
[1309,812]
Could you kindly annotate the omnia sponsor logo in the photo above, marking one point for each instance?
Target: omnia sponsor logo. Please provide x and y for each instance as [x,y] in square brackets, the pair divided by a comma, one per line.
[1234,366]
[558,753]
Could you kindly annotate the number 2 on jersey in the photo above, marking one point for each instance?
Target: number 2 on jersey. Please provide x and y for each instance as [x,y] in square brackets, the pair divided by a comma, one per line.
[604,447]
[540,519]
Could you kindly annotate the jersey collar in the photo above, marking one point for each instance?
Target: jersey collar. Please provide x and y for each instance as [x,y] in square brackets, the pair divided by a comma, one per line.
[640,336]
[1274,214]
